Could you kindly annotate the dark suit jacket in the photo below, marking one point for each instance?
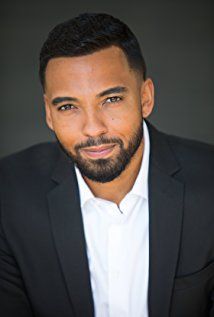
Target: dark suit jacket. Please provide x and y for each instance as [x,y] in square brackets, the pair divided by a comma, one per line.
[43,262]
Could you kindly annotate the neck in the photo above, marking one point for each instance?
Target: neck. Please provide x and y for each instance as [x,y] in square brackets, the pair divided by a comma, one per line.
[116,190]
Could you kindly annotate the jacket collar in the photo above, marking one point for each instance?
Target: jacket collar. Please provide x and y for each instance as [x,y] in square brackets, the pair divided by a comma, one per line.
[165,222]
[161,154]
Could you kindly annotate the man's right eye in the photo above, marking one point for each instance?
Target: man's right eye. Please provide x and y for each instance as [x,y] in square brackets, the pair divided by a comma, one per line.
[66,107]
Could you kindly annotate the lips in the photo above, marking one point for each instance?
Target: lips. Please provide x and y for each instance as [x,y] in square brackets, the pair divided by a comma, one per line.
[98,151]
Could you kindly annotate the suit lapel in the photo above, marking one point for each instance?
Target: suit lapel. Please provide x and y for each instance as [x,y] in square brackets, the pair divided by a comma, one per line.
[67,226]
[166,209]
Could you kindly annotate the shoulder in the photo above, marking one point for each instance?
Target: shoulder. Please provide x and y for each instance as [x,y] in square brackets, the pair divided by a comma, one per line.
[184,151]
[191,153]
[38,159]
[194,160]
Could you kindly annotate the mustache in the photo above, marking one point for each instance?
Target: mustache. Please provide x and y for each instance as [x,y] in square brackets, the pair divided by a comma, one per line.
[98,141]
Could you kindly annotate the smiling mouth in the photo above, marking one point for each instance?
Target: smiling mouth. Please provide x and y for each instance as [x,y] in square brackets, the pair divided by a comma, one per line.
[98,151]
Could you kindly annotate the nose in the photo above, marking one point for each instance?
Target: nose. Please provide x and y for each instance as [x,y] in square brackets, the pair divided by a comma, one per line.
[94,125]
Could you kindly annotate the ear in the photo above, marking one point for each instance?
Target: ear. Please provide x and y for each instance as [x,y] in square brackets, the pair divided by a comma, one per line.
[147,97]
[48,113]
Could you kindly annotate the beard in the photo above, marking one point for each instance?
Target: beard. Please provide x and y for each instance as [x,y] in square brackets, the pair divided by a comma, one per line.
[106,170]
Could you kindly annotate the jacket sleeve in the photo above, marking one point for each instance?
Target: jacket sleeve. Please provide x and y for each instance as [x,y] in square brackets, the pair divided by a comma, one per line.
[13,297]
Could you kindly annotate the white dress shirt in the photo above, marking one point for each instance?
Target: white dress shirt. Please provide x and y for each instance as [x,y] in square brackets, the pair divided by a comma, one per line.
[117,242]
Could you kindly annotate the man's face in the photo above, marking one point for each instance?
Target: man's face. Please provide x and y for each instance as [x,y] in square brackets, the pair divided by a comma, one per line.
[95,105]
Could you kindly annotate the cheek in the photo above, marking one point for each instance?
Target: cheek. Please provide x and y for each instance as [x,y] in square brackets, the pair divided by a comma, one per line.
[63,125]
[68,135]
[124,122]
[125,130]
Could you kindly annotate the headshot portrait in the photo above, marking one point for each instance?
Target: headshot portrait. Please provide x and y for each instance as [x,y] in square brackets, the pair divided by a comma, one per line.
[112,216]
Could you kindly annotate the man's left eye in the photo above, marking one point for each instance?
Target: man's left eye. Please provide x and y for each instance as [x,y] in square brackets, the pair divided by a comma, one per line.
[113,99]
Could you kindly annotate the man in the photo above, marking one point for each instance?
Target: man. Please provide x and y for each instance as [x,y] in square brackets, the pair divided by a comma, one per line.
[116,218]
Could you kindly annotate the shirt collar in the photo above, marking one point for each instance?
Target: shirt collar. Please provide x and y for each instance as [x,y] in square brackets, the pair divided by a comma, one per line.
[84,190]
[140,187]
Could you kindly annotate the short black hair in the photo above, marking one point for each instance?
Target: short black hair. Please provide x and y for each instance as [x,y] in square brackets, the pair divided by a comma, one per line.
[88,33]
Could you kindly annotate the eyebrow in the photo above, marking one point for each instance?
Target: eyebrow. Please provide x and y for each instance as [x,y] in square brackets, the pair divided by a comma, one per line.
[112,90]
[58,100]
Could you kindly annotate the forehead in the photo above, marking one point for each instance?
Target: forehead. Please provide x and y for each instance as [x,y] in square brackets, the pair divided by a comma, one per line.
[105,67]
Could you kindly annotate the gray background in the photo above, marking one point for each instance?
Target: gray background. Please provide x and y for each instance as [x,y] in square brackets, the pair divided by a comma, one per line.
[177,40]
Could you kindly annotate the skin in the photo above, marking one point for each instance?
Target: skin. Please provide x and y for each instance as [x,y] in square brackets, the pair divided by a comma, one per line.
[93,113]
